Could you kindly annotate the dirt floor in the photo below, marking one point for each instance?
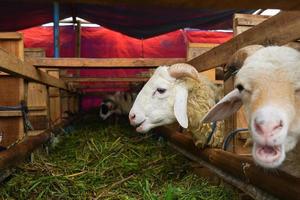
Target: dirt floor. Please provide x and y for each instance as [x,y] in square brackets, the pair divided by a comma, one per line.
[95,160]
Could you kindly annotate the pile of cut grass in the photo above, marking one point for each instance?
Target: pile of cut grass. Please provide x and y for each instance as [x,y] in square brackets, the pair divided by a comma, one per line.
[100,161]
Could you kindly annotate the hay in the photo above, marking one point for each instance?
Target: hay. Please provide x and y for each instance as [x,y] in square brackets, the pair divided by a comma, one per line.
[99,161]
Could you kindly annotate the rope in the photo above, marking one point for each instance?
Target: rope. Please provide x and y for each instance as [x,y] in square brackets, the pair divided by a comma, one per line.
[213,127]
[230,136]
[27,125]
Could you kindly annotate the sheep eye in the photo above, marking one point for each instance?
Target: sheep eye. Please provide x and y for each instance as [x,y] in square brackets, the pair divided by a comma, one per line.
[240,87]
[161,90]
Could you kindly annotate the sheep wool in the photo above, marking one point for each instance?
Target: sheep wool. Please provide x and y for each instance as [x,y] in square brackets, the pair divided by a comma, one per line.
[203,95]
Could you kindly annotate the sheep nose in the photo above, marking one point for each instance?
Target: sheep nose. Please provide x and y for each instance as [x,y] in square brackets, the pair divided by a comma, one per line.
[267,128]
[131,117]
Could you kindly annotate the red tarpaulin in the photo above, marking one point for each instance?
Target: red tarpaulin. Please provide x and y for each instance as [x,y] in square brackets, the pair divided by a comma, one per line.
[104,43]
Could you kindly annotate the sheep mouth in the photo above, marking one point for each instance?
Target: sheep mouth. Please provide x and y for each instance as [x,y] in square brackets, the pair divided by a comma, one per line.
[139,126]
[268,154]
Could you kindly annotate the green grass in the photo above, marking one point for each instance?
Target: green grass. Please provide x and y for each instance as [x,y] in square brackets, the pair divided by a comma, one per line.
[100,161]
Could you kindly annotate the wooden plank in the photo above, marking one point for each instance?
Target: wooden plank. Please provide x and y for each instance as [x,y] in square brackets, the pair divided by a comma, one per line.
[102,85]
[241,23]
[13,46]
[13,113]
[14,66]
[64,104]
[241,167]
[37,97]
[103,62]
[278,30]
[248,19]
[39,122]
[34,53]
[78,39]
[104,79]
[11,36]
[197,49]
[37,108]
[181,4]
[55,101]
[11,91]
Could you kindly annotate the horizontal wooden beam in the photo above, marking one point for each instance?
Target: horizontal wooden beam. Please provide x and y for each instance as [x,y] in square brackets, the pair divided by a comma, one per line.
[211,4]
[249,20]
[102,62]
[277,30]
[14,66]
[10,36]
[241,167]
[101,87]
[12,113]
[106,79]
[18,113]
[104,85]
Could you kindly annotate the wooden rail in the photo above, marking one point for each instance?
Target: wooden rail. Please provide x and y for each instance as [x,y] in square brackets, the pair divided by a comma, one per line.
[14,66]
[103,62]
[241,167]
[278,30]
[104,79]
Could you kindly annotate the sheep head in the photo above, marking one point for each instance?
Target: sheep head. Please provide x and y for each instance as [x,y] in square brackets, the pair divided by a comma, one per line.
[163,99]
[267,86]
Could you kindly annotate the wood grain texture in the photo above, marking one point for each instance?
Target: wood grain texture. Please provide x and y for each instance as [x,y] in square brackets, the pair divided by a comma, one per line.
[106,79]
[277,30]
[14,66]
[197,49]
[11,36]
[55,101]
[11,91]
[102,62]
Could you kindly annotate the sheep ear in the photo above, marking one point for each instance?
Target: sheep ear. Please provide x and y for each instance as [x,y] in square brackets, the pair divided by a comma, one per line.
[225,107]
[180,106]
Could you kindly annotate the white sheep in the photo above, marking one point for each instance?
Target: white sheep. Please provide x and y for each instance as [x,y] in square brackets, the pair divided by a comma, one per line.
[119,104]
[177,93]
[268,85]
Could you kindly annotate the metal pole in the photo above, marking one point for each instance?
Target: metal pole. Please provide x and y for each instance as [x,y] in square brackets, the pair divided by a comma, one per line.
[56,29]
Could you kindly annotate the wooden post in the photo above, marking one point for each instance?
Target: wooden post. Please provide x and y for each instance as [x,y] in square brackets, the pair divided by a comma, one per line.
[37,98]
[197,49]
[55,101]
[241,23]
[78,39]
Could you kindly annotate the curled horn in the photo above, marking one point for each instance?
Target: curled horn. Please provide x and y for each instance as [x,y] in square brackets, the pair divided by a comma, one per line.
[181,70]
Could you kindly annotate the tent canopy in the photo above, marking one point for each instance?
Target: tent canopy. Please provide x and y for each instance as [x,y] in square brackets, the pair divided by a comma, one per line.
[133,20]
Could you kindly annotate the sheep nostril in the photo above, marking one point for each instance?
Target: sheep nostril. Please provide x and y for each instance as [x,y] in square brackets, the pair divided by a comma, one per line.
[278,126]
[258,128]
[131,116]
[268,128]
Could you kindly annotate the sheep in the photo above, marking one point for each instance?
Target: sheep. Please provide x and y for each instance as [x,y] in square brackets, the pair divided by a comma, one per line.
[178,93]
[116,104]
[268,86]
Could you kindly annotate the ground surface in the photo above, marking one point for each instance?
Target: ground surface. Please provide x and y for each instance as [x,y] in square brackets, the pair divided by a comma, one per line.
[100,161]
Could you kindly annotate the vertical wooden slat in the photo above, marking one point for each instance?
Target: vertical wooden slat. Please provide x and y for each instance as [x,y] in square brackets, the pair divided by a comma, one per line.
[11,90]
